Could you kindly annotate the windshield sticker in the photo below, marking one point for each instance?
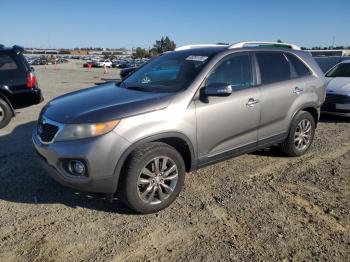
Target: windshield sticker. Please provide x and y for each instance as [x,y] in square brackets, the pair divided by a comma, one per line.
[197,58]
[145,80]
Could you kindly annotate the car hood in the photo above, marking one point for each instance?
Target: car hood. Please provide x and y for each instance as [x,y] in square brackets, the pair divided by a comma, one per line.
[104,103]
[339,85]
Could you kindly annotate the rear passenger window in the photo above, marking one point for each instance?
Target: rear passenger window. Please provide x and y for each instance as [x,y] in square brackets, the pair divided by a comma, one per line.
[7,63]
[299,66]
[274,67]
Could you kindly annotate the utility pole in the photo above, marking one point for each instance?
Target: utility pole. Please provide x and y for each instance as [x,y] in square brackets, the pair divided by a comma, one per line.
[333,40]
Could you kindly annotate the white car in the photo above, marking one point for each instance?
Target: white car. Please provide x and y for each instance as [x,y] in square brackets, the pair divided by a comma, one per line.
[103,63]
[338,90]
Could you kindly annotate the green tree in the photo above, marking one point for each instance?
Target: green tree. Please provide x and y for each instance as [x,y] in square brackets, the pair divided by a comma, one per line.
[163,45]
[141,53]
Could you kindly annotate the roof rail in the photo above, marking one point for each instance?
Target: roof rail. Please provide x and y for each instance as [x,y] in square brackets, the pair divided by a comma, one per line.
[261,44]
[186,47]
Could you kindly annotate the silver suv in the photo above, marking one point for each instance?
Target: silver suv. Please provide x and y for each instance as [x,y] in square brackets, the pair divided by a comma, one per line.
[182,110]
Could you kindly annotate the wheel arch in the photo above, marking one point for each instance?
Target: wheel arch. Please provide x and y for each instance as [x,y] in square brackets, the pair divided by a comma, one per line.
[312,109]
[3,97]
[177,140]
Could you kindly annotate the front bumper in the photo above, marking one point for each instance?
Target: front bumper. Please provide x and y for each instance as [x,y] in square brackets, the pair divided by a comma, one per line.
[101,155]
[336,104]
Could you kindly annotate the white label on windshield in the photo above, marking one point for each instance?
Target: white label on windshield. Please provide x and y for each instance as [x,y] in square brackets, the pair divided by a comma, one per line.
[197,58]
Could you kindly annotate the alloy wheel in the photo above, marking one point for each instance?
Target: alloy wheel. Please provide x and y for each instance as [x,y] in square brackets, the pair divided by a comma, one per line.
[303,134]
[157,180]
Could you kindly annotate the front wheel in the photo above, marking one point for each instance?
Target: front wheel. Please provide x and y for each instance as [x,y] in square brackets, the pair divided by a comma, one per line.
[153,178]
[301,135]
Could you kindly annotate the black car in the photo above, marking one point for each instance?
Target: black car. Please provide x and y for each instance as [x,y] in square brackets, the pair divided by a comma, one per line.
[18,83]
[129,69]
[126,71]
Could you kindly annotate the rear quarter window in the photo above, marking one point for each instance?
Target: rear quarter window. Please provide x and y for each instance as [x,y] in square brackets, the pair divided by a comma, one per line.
[299,67]
[7,63]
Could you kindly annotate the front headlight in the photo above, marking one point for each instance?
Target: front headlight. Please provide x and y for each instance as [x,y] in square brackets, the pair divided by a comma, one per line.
[79,131]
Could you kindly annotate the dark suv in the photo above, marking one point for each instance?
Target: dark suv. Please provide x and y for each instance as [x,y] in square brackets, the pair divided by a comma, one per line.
[18,84]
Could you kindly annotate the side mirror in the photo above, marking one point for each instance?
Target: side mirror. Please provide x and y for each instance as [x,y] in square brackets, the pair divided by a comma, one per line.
[217,89]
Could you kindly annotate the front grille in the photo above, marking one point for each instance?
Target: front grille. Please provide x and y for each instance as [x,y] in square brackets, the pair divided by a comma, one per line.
[47,132]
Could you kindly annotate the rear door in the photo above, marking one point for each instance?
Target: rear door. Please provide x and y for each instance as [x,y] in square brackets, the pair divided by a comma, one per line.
[225,124]
[280,87]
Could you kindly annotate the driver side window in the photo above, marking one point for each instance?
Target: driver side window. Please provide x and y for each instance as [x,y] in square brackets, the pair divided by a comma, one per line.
[235,70]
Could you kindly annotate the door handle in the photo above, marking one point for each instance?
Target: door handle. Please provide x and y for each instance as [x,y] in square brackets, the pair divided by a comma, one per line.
[298,90]
[251,102]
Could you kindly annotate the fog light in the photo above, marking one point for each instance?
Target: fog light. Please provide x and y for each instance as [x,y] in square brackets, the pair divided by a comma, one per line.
[77,167]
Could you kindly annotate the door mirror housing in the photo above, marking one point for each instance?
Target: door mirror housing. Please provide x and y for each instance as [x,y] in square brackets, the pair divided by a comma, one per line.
[217,89]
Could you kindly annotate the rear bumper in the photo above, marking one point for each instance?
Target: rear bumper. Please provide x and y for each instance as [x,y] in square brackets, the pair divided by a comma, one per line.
[25,98]
[100,154]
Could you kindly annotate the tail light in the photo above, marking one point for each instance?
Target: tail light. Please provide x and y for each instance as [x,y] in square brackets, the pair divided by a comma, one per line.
[31,80]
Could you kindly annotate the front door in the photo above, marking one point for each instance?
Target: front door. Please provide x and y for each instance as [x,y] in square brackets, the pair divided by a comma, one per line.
[225,124]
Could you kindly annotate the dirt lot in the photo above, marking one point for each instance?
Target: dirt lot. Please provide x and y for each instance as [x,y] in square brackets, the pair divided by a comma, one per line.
[260,206]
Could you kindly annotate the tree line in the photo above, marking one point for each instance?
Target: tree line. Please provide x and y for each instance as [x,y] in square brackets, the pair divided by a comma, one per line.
[165,44]
[159,47]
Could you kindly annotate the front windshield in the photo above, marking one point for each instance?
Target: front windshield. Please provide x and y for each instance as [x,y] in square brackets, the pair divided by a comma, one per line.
[169,72]
[340,70]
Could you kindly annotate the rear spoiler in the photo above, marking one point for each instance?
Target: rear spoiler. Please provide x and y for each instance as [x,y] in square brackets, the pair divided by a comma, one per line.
[18,49]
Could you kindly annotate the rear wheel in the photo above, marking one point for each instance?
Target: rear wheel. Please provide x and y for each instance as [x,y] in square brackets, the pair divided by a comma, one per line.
[301,135]
[153,178]
[5,114]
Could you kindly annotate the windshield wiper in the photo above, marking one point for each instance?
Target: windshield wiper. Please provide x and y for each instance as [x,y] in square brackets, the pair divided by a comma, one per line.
[139,88]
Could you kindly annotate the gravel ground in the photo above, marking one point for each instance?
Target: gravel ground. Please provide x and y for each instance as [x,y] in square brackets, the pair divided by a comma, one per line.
[260,206]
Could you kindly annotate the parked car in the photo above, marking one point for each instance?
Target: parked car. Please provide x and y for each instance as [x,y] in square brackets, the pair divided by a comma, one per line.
[126,71]
[88,63]
[18,83]
[116,63]
[38,61]
[338,90]
[181,111]
[124,64]
[103,63]
[327,62]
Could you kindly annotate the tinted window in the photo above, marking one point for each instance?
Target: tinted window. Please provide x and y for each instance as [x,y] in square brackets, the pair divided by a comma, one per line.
[340,70]
[299,66]
[235,71]
[274,67]
[7,63]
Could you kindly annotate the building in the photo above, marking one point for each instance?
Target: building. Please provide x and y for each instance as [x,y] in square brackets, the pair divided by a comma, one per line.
[41,51]
[344,52]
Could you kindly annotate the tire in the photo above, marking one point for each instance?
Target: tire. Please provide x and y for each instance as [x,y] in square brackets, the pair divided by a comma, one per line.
[141,189]
[5,114]
[301,135]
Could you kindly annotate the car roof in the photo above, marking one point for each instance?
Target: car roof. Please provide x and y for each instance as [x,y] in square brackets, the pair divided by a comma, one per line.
[345,62]
[241,45]
[16,48]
